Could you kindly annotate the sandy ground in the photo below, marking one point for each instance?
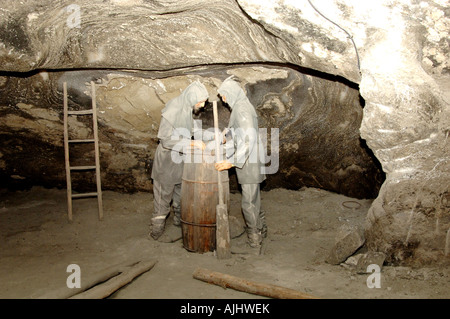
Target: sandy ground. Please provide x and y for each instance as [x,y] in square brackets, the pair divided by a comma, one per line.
[38,243]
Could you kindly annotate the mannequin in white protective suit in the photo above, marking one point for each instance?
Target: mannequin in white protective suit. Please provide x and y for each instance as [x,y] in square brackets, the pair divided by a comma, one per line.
[244,156]
[175,134]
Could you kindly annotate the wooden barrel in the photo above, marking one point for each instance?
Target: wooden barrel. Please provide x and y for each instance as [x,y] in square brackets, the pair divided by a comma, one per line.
[199,198]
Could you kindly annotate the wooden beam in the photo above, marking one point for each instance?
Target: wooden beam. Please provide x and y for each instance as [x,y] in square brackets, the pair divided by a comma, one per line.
[241,284]
[88,281]
[109,287]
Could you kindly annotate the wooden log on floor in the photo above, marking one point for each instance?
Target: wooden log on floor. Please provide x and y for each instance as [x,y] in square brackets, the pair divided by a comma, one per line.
[109,287]
[241,284]
[88,282]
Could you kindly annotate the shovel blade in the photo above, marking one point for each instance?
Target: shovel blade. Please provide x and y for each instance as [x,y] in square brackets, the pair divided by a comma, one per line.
[222,232]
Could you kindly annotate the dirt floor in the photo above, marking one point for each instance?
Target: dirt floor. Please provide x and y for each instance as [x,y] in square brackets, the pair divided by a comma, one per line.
[38,244]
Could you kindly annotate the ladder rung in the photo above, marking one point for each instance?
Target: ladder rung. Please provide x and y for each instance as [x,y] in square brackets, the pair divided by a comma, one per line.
[82,112]
[80,168]
[82,141]
[84,195]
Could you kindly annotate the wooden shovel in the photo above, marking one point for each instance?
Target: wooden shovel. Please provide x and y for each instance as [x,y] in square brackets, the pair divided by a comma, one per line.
[222,226]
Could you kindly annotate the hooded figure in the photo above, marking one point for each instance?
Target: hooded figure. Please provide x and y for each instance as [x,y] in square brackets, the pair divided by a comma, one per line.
[175,133]
[243,153]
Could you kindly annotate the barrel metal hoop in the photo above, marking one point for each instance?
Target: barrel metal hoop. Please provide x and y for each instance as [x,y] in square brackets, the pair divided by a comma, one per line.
[195,224]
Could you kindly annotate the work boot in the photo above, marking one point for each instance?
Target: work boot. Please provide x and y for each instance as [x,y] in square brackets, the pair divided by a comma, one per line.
[158,226]
[177,218]
[254,238]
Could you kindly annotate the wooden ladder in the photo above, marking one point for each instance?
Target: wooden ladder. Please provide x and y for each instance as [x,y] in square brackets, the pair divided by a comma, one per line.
[67,142]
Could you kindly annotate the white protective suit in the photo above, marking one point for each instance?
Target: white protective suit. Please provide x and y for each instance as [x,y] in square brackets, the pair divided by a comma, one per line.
[244,152]
[175,133]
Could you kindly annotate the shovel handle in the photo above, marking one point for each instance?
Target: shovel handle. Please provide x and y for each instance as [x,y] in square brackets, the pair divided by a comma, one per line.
[216,133]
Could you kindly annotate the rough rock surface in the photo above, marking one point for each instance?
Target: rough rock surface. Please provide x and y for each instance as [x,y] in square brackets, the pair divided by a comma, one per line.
[403,76]
[134,34]
[348,240]
[404,52]
[325,153]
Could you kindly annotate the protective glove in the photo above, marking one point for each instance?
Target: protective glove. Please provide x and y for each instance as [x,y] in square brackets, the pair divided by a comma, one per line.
[223,165]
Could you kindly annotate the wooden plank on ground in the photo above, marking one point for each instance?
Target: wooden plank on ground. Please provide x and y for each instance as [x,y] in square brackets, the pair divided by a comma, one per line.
[253,287]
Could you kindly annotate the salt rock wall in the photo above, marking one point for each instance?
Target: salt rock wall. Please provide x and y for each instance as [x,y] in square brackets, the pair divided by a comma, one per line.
[406,122]
[134,34]
[316,122]
[403,52]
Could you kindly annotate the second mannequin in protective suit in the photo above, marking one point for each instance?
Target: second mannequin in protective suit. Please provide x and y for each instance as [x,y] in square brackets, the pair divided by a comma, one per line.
[245,156]
[175,133]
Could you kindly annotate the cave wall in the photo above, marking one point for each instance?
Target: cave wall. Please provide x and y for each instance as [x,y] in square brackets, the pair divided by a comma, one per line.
[401,66]
[403,51]
[317,122]
[111,34]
